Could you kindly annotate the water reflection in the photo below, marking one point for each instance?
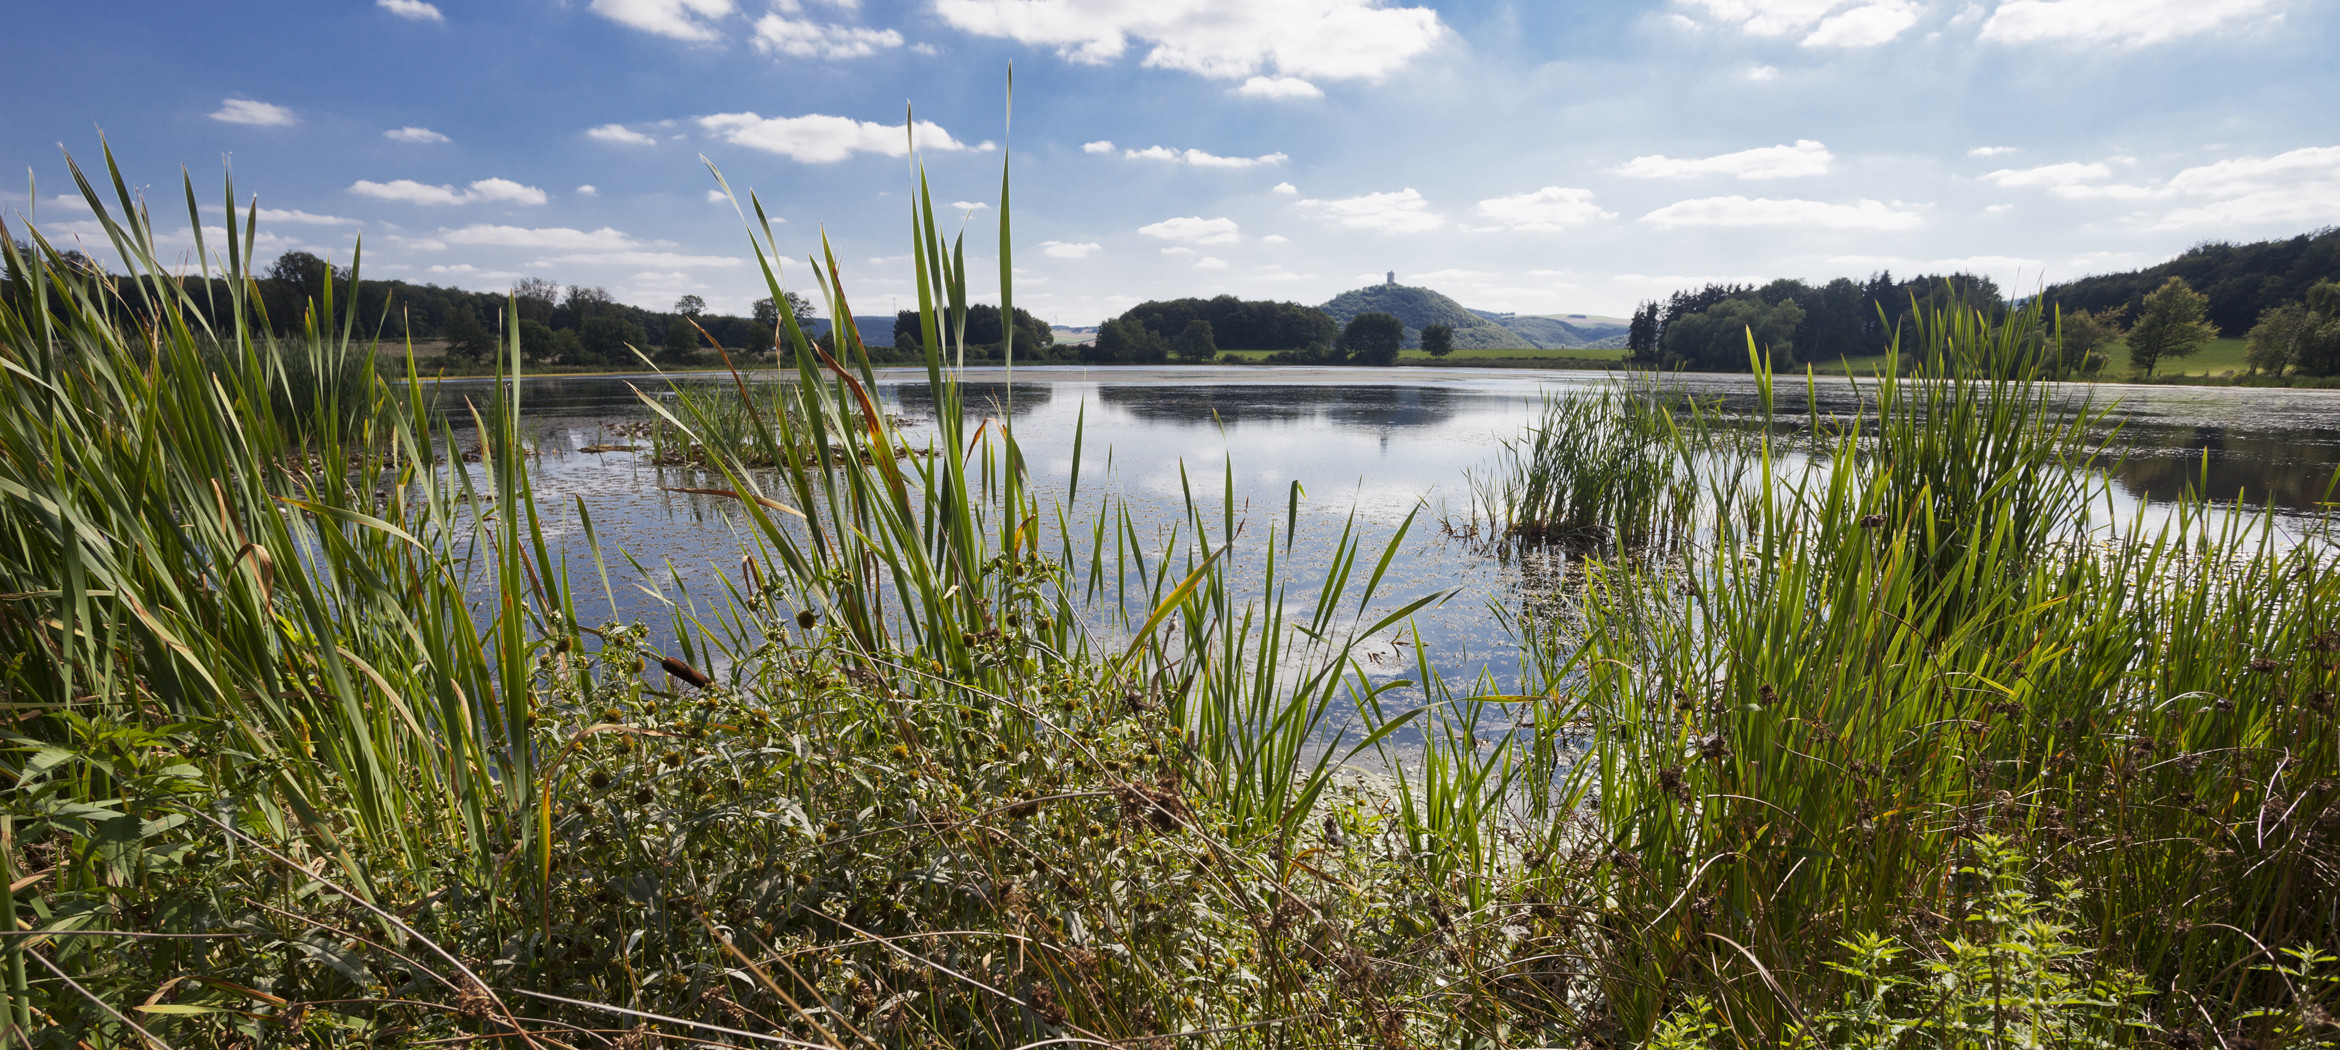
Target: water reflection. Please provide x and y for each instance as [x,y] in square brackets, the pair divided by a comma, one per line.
[2293,471]
[981,398]
[1376,406]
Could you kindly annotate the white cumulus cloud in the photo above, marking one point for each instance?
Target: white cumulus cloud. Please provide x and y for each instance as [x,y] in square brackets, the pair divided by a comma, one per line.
[2048,175]
[1766,211]
[414,9]
[302,217]
[2301,187]
[1806,157]
[1284,187]
[638,258]
[1279,88]
[1210,263]
[547,238]
[1548,210]
[1865,26]
[801,38]
[680,19]
[1070,249]
[1200,159]
[1195,229]
[1222,39]
[249,111]
[1990,151]
[506,190]
[413,134]
[1099,146]
[2126,23]
[1816,23]
[588,190]
[1404,211]
[408,191]
[620,135]
[819,139]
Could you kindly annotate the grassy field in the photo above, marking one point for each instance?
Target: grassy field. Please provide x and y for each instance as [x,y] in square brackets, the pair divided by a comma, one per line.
[2219,357]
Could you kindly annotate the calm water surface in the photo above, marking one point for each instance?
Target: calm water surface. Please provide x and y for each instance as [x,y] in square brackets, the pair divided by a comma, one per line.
[1369,446]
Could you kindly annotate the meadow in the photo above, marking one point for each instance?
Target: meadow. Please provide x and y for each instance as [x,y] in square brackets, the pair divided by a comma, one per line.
[1876,732]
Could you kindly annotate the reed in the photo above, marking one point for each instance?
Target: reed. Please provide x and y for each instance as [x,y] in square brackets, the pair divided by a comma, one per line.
[1925,643]
[1611,469]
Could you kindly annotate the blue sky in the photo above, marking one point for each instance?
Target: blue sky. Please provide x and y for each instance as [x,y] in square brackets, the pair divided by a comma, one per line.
[1544,157]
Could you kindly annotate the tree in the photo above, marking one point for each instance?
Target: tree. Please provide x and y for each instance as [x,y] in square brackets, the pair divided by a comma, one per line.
[1127,343]
[2171,324]
[535,298]
[769,317]
[682,340]
[585,300]
[1373,338]
[1715,339]
[1438,339]
[1239,324]
[2318,350]
[538,289]
[567,348]
[2274,342]
[537,342]
[467,339]
[609,339]
[690,306]
[1641,337]
[2083,336]
[295,280]
[1194,345]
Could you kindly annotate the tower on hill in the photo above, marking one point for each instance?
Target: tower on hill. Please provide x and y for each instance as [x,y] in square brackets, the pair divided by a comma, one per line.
[1392,282]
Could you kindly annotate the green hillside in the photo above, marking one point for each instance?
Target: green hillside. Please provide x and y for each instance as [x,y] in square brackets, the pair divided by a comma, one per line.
[1550,332]
[1418,307]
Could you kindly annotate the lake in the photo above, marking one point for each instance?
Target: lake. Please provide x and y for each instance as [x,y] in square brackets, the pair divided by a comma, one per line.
[1368,446]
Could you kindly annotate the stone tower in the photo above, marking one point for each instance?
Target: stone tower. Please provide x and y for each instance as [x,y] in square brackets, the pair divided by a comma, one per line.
[1393,278]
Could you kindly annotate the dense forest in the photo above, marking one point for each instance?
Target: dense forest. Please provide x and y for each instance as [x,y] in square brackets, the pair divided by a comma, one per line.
[985,339]
[1793,322]
[2242,281]
[1197,329]
[2264,290]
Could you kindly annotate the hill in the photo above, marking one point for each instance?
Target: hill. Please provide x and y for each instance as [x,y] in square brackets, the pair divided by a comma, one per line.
[876,330]
[2240,279]
[1418,307]
[1555,333]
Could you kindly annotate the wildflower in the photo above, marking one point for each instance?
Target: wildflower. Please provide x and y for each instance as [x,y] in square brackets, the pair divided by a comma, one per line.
[806,618]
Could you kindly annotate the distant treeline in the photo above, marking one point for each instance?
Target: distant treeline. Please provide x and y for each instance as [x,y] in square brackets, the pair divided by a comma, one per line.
[575,325]
[1793,322]
[985,339]
[1197,329]
[2242,281]
[571,325]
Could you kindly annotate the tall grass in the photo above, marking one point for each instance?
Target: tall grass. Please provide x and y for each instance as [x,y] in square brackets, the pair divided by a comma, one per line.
[1611,469]
[313,742]
[1925,643]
